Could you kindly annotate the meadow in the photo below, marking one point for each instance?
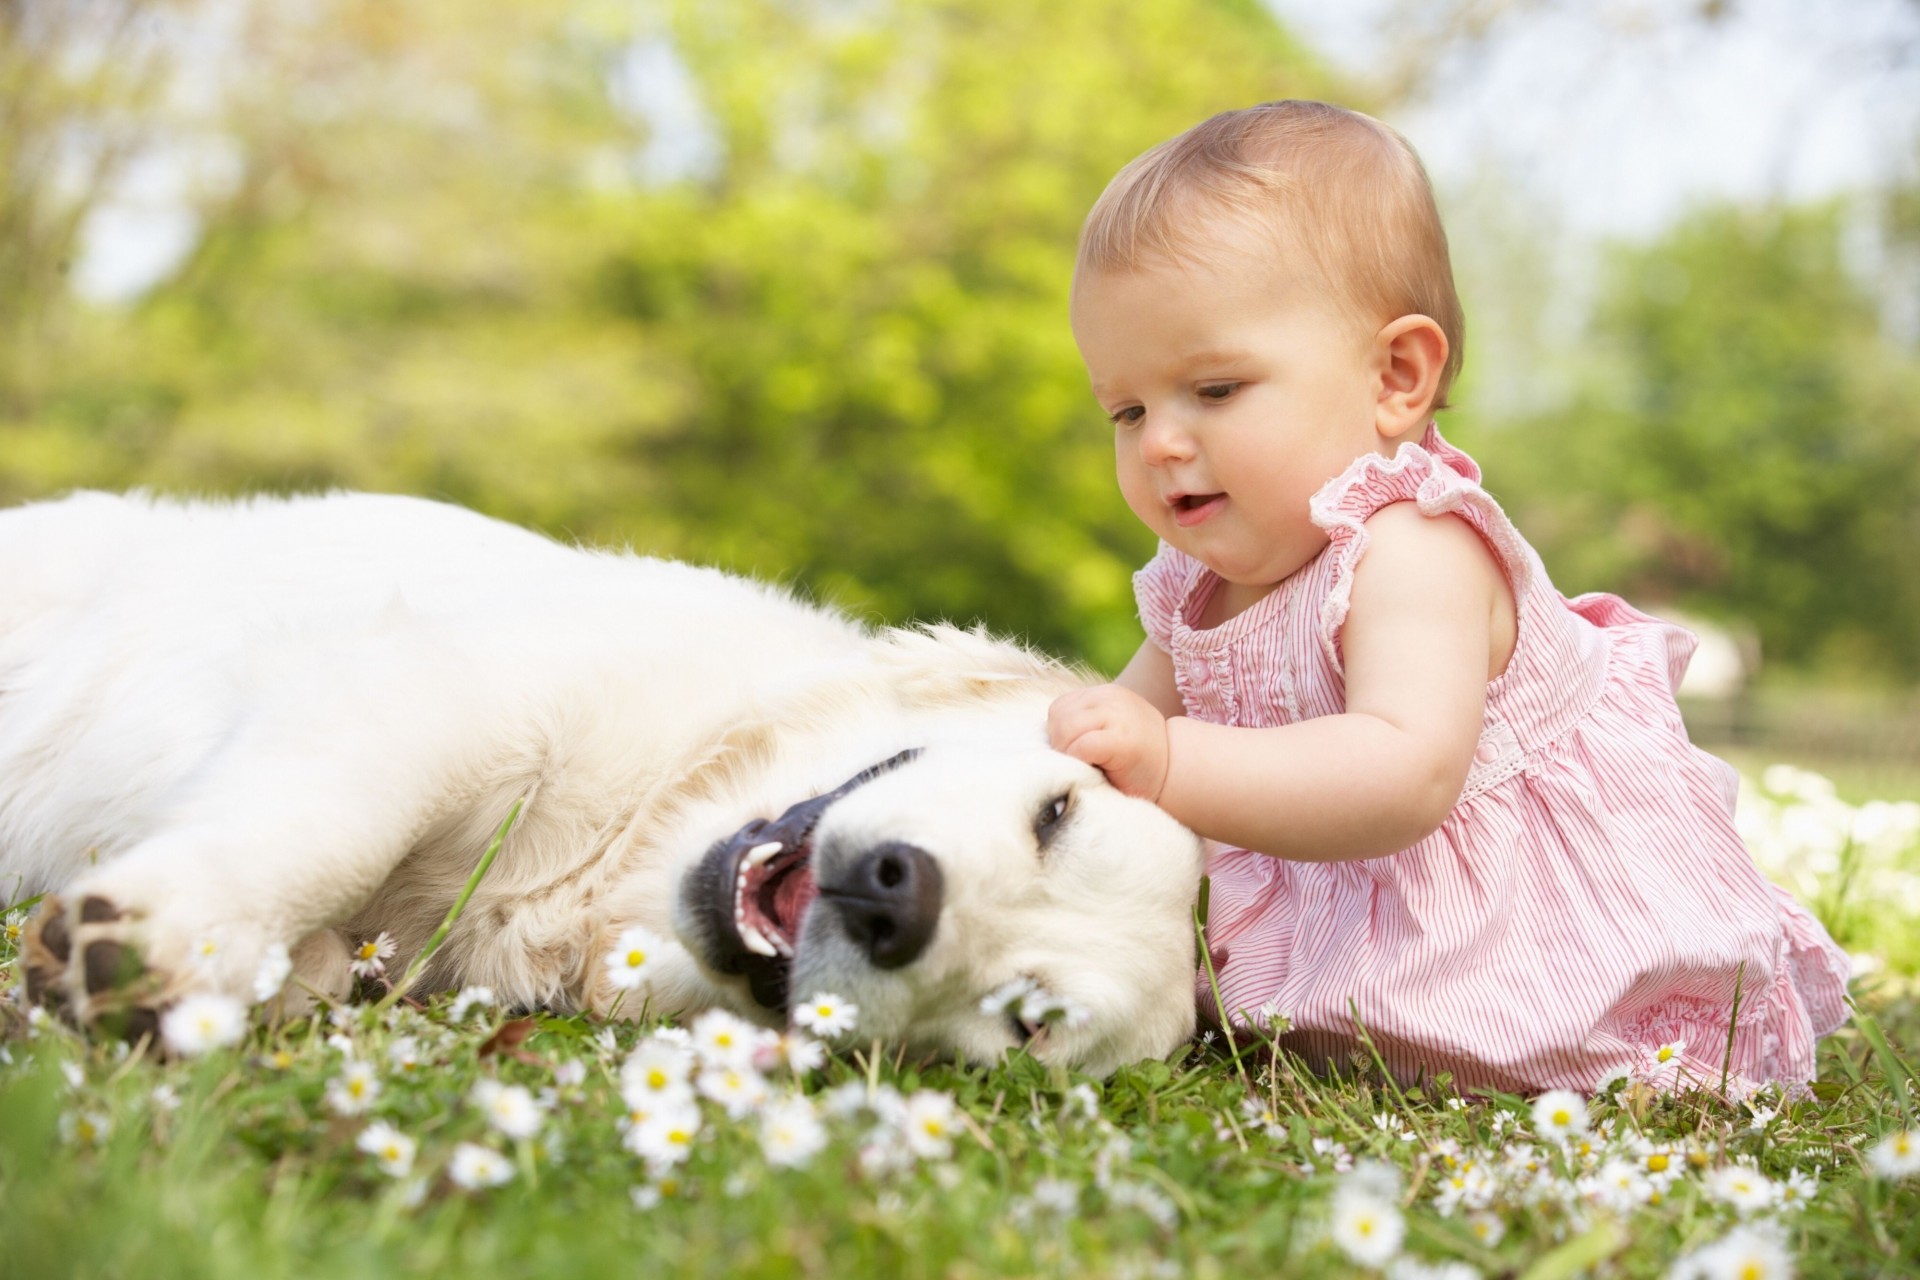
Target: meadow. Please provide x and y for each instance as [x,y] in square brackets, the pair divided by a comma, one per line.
[455,1137]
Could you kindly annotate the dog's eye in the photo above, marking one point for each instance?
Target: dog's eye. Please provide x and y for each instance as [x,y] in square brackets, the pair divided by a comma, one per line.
[1048,819]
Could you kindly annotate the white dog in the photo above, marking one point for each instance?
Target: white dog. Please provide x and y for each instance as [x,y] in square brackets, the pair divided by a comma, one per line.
[226,727]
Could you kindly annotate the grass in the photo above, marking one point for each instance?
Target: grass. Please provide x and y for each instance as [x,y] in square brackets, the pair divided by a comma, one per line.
[236,1163]
[240,1168]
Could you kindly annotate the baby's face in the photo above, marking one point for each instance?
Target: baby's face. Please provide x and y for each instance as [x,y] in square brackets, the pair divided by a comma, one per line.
[1235,394]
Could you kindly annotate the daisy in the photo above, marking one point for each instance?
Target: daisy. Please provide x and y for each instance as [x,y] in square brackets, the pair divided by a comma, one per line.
[354,1089]
[404,1053]
[740,1090]
[1669,1052]
[1897,1155]
[1744,1253]
[85,1128]
[723,1040]
[633,951]
[798,1053]
[827,1015]
[467,999]
[655,1072]
[791,1134]
[1618,1185]
[928,1125]
[665,1138]
[1559,1114]
[203,1022]
[475,1167]
[508,1108]
[390,1148]
[1487,1228]
[276,966]
[370,957]
[1367,1228]
[1742,1186]
[1798,1191]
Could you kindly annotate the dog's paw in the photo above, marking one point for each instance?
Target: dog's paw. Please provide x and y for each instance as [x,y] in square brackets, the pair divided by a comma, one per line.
[83,958]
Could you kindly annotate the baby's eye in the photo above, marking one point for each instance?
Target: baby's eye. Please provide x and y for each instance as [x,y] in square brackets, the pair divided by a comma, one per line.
[1127,417]
[1218,390]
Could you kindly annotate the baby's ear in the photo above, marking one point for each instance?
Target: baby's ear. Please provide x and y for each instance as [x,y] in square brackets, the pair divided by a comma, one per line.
[1411,357]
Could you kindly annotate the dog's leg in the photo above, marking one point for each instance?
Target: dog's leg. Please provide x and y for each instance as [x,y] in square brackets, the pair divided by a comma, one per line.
[289,829]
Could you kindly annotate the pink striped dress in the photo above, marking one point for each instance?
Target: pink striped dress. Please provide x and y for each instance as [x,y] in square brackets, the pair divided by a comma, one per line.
[1586,902]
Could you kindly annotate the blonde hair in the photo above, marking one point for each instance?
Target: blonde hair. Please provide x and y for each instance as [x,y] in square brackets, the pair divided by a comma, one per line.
[1340,186]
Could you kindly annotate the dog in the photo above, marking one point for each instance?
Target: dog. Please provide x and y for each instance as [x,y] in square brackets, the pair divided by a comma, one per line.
[227,728]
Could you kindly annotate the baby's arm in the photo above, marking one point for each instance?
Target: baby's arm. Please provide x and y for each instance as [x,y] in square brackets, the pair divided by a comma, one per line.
[1373,780]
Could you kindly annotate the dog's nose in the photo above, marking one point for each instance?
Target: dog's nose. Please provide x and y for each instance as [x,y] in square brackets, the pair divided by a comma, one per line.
[888,901]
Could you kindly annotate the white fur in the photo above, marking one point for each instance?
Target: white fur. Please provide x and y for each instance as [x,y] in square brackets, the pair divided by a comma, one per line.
[300,721]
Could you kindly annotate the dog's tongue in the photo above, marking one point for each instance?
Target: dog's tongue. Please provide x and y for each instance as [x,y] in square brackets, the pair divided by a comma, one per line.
[792,895]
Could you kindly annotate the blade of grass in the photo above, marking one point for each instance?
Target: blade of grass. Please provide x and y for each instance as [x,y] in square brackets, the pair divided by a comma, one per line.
[414,969]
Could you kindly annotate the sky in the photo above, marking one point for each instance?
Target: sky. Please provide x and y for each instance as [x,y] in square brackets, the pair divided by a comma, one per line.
[1605,119]
[1619,114]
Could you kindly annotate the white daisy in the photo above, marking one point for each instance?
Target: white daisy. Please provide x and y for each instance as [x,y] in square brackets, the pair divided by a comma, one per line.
[475,1167]
[654,1072]
[1559,1114]
[740,1090]
[665,1138]
[1742,1186]
[508,1108]
[1897,1155]
[85,1128]
[276,966]
[791,1134]
[467,999]
[927,1125]
[354,1089]
[370,957]
[723,1040]
[1748,1252]
[392,1149]
[798,1053]
[1487,1228]
[1367,1228]
[203,1022]
[632,952]
[827,1015]
[404,1053]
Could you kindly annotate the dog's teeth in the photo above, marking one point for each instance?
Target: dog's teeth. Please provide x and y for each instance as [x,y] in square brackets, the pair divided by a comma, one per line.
[783,947]
[756,941]
[763,852]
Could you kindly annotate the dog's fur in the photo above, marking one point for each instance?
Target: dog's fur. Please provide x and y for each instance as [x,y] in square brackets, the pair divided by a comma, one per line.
[224,727]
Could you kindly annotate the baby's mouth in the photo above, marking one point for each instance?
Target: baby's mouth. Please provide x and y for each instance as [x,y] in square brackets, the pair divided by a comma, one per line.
[1192,508]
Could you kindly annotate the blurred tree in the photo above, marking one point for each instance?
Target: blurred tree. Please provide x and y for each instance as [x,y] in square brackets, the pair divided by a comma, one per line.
[1745,444]
[829,347]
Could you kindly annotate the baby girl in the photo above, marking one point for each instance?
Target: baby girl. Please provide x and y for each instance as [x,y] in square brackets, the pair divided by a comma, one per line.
[1458,813]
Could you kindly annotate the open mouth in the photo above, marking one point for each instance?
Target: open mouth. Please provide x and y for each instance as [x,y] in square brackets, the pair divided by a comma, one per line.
[1192,508]
[772,889]
[746,900]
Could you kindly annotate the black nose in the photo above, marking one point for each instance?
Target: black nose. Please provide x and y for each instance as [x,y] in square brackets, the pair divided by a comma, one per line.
[888,901]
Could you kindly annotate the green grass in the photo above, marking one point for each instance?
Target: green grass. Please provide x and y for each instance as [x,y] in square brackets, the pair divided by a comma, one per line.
[251,1175]
[116,1166]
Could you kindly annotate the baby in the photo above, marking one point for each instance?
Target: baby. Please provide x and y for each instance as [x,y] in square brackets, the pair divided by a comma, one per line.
[1459,812]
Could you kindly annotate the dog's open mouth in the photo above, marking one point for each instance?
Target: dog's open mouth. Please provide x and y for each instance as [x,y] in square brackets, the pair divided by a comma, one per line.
[747,899]
[771,892]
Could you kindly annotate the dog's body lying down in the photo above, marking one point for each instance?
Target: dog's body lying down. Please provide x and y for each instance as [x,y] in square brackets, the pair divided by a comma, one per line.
[224,727]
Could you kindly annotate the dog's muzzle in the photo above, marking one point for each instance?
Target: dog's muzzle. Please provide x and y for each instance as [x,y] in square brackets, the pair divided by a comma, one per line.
[748,897]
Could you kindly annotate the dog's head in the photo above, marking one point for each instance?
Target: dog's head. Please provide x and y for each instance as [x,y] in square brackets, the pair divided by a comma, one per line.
[978,894]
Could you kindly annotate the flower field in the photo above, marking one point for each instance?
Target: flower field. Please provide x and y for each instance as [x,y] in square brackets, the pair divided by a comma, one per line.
[458,1138]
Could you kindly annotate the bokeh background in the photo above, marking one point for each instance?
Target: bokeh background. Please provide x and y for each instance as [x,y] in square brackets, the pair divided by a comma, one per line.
[782,286]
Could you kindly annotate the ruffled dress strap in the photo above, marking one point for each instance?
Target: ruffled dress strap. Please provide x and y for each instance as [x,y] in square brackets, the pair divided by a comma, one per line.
[1436,477]
[1161,588]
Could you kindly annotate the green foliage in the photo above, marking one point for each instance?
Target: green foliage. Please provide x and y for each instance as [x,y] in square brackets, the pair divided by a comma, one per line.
[834,352]
[1745,445]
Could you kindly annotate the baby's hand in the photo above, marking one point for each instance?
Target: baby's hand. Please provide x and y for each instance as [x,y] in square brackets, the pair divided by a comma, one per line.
[1115,730]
